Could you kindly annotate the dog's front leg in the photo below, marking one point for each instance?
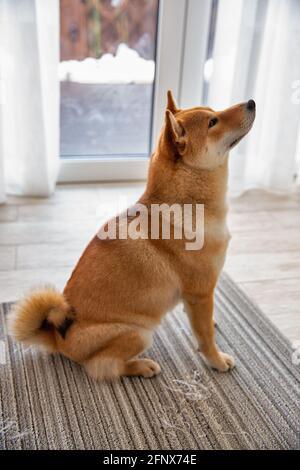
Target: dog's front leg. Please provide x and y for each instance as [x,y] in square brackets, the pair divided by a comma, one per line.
[200,313]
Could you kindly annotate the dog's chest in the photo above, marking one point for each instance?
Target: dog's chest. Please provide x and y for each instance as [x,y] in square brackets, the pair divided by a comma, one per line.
[216,234]
[204,265]
[216,238]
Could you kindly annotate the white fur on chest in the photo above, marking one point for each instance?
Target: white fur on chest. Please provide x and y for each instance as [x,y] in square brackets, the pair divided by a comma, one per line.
[216,229]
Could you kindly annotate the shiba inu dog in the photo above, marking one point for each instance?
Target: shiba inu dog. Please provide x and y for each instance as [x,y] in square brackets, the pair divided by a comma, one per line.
[121,288]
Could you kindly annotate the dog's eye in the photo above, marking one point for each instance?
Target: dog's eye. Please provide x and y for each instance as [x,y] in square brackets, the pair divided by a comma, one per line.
[212,122]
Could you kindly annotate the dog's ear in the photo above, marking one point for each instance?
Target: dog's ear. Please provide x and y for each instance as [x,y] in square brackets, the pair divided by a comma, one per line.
[171,106]
[175,131]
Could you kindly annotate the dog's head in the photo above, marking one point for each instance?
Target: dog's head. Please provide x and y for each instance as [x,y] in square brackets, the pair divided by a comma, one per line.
[202,137]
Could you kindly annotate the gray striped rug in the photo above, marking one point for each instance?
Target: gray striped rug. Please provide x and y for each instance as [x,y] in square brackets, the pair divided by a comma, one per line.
[47,402]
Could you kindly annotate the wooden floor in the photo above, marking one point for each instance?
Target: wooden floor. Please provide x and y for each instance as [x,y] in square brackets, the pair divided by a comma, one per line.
[41,239]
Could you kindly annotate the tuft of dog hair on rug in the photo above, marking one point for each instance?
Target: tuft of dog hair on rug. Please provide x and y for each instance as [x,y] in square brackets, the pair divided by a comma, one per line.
[192,388]
[9,425]
[191,391]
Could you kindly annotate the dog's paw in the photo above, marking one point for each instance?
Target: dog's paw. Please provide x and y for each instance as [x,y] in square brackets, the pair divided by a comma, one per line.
[149,368]
[223,363]
[142,368]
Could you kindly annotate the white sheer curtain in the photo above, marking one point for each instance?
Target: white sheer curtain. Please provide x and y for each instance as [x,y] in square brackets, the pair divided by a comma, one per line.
[29,96]
[257,55]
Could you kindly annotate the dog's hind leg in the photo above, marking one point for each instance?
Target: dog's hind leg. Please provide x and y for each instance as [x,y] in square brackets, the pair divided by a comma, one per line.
[119,357]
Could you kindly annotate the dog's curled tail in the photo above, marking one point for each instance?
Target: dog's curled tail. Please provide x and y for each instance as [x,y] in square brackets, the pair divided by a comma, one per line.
[39,317]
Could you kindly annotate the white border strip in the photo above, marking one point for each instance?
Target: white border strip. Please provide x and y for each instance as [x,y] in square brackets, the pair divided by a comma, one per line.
[197,26]
[170,42]
[86,169]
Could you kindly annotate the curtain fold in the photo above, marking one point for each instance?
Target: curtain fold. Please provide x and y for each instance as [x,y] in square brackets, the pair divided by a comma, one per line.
[257,55]
[29,113]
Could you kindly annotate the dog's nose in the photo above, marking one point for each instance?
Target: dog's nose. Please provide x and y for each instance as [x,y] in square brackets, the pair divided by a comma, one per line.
[251,105]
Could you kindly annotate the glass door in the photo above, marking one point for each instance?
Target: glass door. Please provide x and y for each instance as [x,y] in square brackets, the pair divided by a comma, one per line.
[106,73]
[118,59]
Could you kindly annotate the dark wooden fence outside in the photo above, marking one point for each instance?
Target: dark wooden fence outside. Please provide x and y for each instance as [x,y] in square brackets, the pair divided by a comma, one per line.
[90,28]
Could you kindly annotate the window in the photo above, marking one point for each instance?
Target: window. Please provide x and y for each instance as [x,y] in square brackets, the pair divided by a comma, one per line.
[106,75]
[118,59]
